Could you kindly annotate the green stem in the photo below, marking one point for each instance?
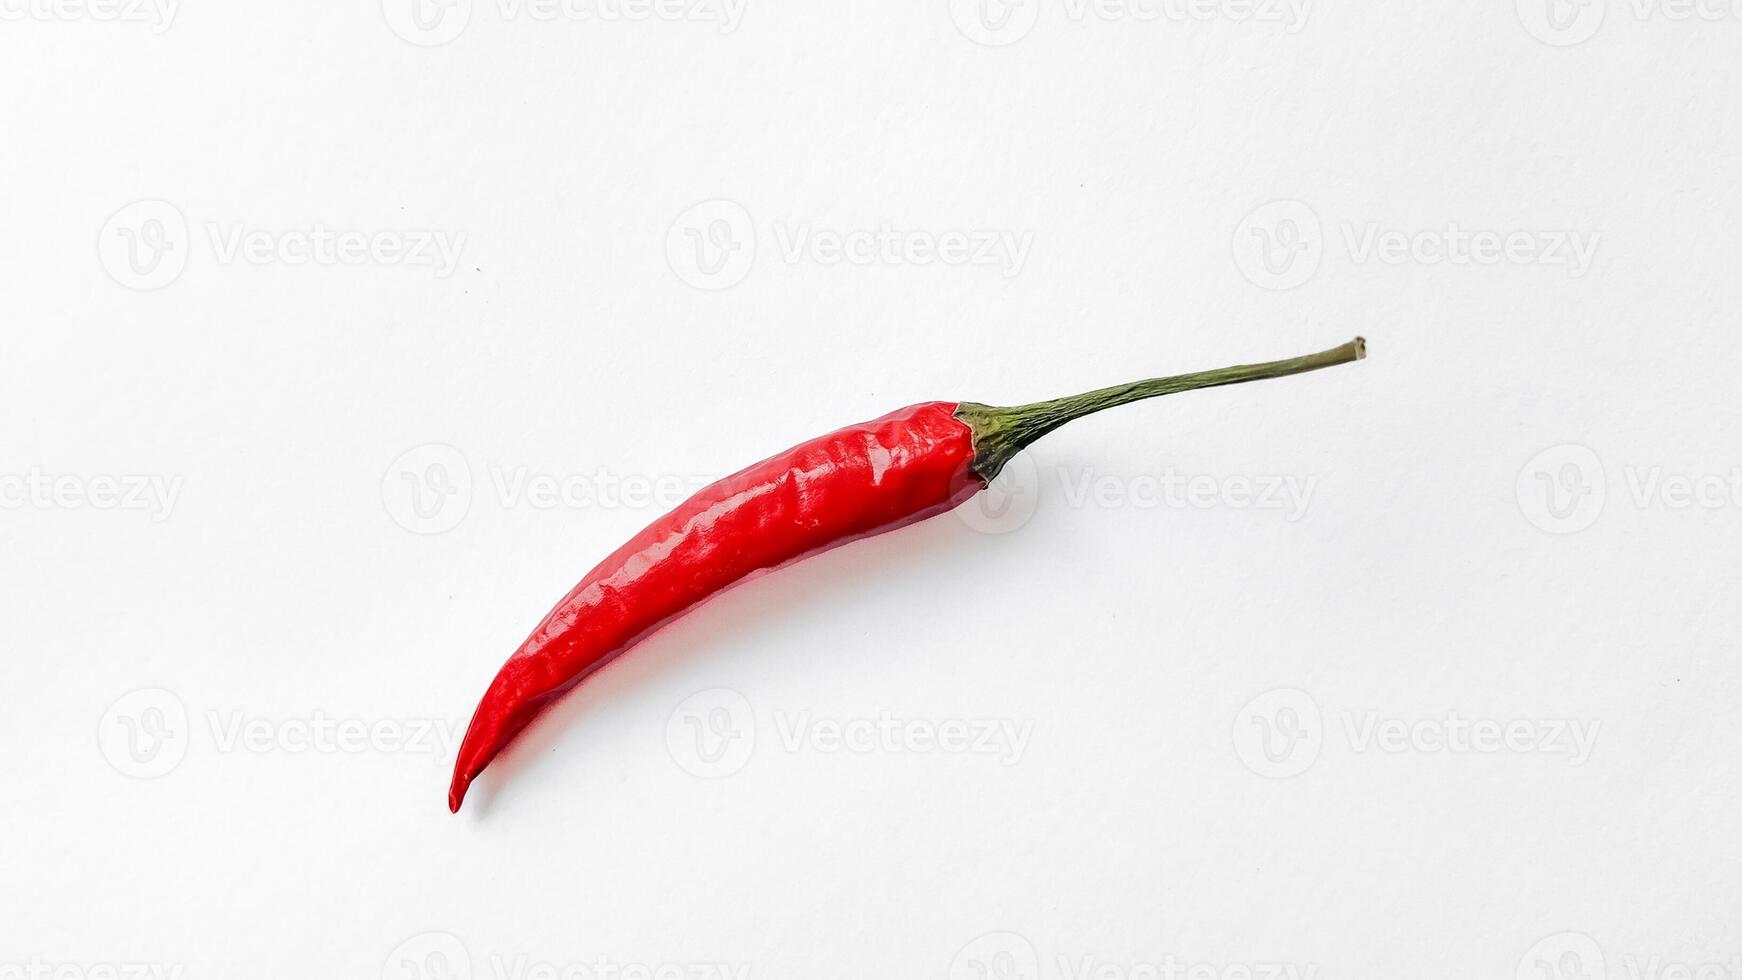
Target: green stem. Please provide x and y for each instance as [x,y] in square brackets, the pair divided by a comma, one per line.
[1001,433]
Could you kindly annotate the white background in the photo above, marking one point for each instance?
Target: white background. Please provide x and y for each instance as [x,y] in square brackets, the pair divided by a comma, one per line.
[1522,507]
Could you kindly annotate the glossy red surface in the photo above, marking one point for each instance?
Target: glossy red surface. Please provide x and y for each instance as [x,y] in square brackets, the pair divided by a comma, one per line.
[852,483]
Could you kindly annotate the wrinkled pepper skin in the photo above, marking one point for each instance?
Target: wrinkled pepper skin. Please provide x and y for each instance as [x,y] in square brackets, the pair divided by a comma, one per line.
[852,483]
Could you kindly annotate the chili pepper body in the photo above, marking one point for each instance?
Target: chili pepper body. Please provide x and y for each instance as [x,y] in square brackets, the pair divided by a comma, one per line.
[852,483]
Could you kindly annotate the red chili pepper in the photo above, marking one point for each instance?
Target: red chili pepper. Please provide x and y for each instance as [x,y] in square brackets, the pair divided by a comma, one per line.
[852,483]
